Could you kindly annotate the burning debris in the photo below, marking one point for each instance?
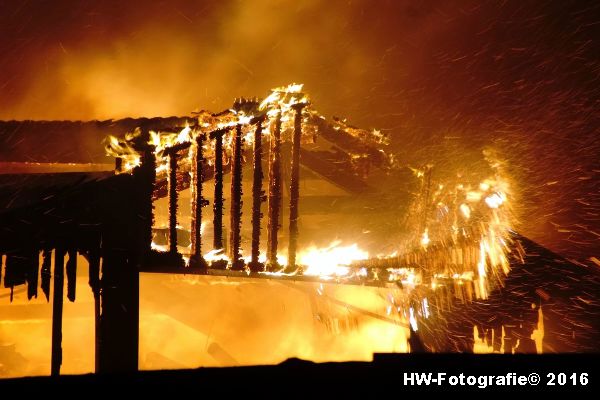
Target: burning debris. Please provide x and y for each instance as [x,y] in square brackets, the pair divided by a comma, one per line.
[287,118]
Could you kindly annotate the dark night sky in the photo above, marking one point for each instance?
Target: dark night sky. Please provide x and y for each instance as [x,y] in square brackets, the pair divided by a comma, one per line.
[443,78]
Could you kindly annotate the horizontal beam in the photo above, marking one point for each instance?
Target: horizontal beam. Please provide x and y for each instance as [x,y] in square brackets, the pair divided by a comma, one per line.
[270,276]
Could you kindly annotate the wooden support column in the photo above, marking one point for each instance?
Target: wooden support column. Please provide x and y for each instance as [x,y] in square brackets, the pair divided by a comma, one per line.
[119,314]
[196,259]
[94,282]
[173,197]
[71,268]
[274,199]
[57,311]
[295,187]
[236,201]
[125,237]
[46,273]
[145,179]
[218,196]
[257,198]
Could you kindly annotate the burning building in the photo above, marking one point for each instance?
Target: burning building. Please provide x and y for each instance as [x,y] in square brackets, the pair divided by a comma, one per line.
[268,231]
[456,279]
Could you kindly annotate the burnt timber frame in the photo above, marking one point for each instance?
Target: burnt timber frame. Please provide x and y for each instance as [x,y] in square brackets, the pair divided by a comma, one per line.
[89,217]
[108,219]
[99,217]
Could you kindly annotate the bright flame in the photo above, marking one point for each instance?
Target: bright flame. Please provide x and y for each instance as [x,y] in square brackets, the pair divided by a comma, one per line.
[495,200]
[425,238]
[284,97]
[216,255]
[334,260]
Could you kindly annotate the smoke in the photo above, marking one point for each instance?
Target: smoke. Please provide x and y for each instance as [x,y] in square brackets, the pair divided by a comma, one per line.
[110,60]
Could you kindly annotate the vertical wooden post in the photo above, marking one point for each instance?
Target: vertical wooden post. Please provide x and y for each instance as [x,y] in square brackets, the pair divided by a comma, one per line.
[295,186]
[218,196]
[274,199]
[257,197]
[236,201]
[119,315]
[146,176]
[46,272]
[125,242]
[173,197]
[71,269]
[94,282]
[196,259]
[57,311]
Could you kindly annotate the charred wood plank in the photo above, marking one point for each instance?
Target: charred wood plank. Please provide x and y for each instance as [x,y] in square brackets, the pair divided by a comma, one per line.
[57,311]
[295,187]
[196,259]
[236,201]
[33,274]
[218,194]
[274,199]
[72,275]
[46,272]
[257,198]
[173,198]
[338,175]
[16,270]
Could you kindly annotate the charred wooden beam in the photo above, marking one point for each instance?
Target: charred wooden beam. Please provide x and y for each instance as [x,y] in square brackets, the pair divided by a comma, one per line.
[57,311]
[337,134]
[94,282]
[46,272]
[236,201]
[72,275]
[172,154]
[336,170]
[218,196]
[196,259]
[173,197]
[295,186]
[16,270]
[119,313]
[257,198]
[33,273]
[274,199]
[146,176]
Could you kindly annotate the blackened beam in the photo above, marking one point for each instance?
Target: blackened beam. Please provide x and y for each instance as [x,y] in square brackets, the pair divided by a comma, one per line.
[236,201]
[46,273]
[146,176]
[274,199]
[277,277]
[32,274]
[72,275]
[196,259]
[346,141]
[172,154]
[57,311]
[173,197]
[336,173]
[257,197]
[94,282]
[295,186]
[218,194]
